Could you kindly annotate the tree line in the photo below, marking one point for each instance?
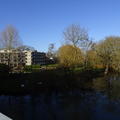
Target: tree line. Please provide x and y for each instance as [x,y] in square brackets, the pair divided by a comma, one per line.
[78,50]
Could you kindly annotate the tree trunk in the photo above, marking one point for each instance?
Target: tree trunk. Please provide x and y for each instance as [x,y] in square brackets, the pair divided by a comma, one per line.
[106,69]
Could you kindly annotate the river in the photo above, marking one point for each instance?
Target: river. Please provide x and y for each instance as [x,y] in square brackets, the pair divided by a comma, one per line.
[102,102]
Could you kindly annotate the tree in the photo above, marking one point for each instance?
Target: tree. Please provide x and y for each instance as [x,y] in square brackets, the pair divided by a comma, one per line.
[51,51]
[10,38]
[109,51]
[92,59]
[75,35]
[25,47]
[70,56]
[88,48]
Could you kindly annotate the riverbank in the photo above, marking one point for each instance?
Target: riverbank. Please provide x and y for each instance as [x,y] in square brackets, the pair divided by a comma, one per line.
[47,80]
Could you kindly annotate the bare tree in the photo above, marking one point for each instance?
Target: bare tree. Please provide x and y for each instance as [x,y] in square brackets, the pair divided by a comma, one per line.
[10,38]
[25,47]
[75,35]
[51,51]
[87,46]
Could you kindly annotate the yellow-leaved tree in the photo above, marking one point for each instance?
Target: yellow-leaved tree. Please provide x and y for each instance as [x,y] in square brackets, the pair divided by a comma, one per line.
[70,56]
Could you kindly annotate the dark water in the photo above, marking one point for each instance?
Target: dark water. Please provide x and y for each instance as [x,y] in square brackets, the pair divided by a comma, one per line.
[101,103]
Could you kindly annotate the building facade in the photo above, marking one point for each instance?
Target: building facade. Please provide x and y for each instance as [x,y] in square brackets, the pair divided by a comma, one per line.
[15,58]
[35,58]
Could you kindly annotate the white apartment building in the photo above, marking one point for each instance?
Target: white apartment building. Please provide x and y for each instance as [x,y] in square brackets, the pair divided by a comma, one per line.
[28,57]
[17,58]
[13,58]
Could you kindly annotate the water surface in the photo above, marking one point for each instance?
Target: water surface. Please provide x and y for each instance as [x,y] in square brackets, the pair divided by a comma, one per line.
[102,102]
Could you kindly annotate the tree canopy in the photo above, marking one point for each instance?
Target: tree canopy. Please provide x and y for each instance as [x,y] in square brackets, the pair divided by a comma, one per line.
[70,56]
[108,51]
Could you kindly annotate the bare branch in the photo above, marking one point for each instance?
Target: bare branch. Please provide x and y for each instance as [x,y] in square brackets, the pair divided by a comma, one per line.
[75,34]
[10,38]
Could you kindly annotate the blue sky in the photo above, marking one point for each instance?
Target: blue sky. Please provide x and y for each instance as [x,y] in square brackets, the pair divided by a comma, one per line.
[41,22]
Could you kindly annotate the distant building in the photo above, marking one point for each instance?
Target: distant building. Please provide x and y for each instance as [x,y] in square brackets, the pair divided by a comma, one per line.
[35,58]
[15,58]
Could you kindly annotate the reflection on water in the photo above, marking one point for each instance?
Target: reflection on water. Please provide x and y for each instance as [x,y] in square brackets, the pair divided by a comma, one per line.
[110,85]
[102,103]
